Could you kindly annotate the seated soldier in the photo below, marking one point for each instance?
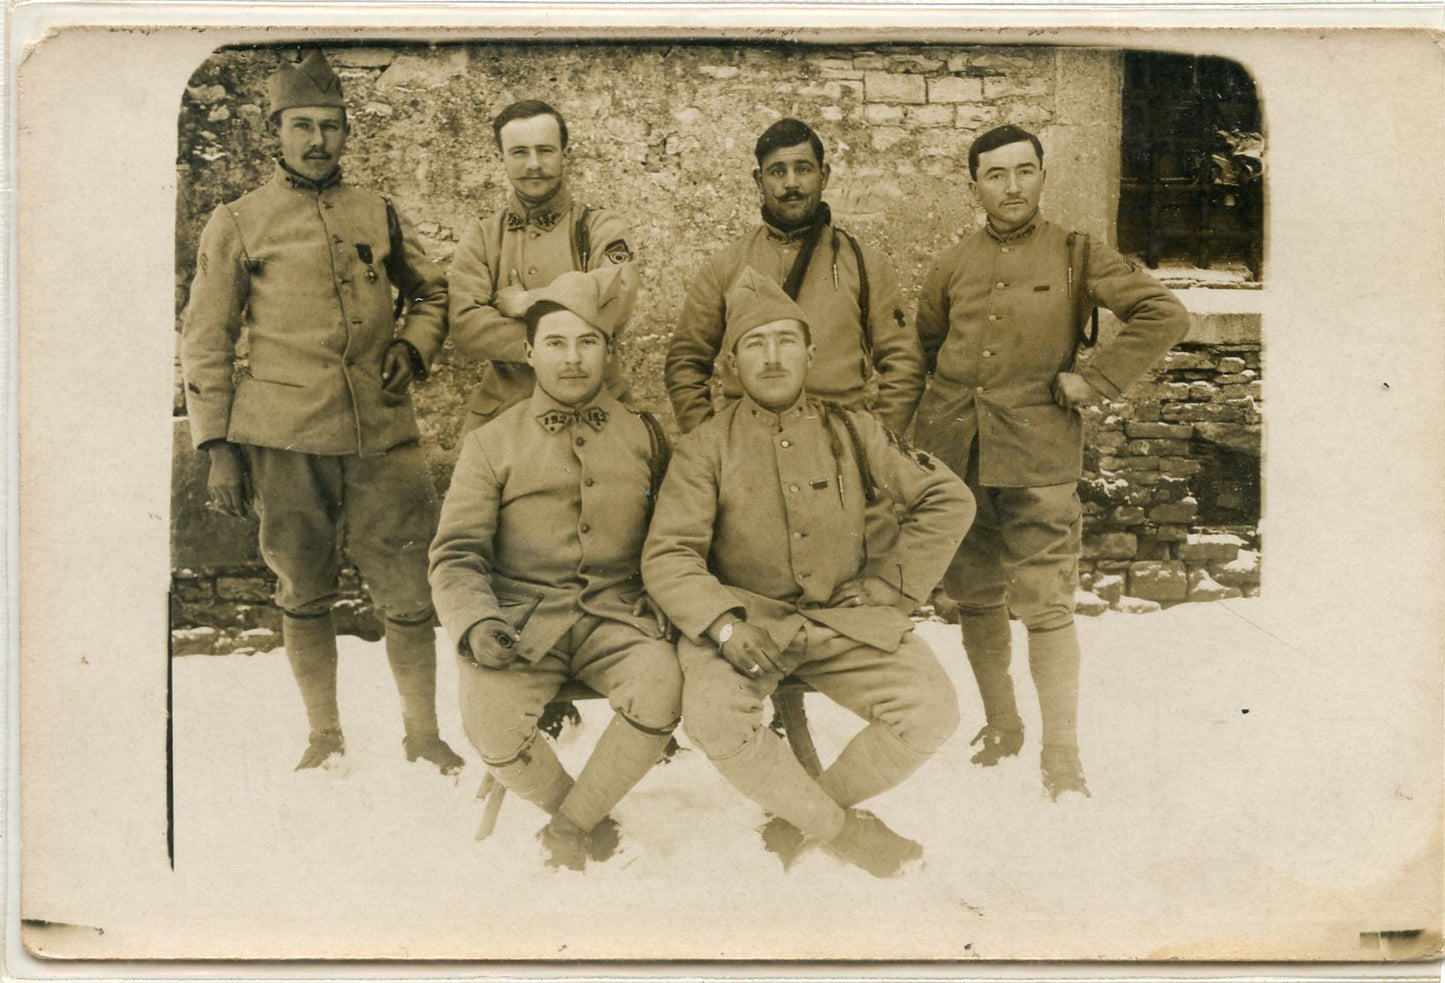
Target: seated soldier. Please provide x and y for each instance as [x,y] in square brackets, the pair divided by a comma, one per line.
[758,553]
[534,572]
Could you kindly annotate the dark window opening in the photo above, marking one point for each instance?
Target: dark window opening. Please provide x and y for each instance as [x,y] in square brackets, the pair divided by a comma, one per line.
[1228,487]
[1192,162]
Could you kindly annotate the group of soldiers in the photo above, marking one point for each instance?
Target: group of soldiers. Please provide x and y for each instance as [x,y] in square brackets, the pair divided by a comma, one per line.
[789,532]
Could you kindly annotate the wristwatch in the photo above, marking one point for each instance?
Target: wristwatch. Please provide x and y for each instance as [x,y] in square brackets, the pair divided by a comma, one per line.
[726,632]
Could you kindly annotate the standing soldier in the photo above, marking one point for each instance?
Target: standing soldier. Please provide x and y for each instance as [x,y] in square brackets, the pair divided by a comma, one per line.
[319,433]
[503,259]
[758,553]
[847,291]
[1000,321]
[535,573]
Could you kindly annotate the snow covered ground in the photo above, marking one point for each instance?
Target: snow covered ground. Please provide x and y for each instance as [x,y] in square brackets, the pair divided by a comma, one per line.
[1249,799]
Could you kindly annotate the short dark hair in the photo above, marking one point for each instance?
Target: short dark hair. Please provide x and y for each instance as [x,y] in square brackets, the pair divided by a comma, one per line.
[534,315]
[1001,136]
[787,132]
[526,109]
[541,309]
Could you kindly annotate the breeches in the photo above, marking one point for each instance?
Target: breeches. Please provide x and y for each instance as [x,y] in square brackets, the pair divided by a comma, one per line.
[381,509]
[906,690]
[1021,551]
[639,676]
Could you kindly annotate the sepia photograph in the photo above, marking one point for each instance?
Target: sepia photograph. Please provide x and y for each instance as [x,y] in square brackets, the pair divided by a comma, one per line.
[935,494]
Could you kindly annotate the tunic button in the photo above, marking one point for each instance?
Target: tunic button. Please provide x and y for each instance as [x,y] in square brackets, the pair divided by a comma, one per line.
[785,443]
[988,354]
[581,441]
[993,317]
[797,535]
[532,271]
[586,527]
[792,488]
[1000,285]
[588,482]
[1005,249]
[979,389]
[336,238]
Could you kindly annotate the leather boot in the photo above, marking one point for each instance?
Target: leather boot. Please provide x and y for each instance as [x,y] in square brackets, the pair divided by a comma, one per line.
[866,841]
[986,641]
[1054,663]
[311,649]
[411,650]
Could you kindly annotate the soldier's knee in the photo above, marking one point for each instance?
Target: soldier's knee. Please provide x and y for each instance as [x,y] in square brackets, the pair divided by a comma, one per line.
[652,697]
[719,730]
[929,710]
[932,719]
[498,728]
[1050,618]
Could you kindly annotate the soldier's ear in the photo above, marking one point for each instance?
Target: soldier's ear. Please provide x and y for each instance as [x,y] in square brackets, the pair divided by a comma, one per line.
[825,170]
[527,352]
[758,177]
[729,361]
[812,350]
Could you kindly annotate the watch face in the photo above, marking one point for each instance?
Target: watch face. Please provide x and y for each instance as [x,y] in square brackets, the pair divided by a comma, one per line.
[725,633]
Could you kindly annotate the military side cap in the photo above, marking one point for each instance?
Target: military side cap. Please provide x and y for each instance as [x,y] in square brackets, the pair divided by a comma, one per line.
[310,83]
[594,297]
[752,301]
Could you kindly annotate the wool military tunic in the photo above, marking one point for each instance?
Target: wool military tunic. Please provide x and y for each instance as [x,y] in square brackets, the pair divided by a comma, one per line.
[302,267]
[539,529]
[997,321]
[529,247]
[766,512]
[829,296]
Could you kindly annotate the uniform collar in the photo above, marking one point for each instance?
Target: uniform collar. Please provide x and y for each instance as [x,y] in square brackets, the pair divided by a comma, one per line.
[775,421]
[824,216]
[1017,234]
[545,215]
[540,404]
[290,178]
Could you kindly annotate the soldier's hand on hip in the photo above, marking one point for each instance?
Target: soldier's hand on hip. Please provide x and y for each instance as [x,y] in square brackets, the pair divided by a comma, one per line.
[396,369]
[492,643]
[1071,390]
[513,301]
[751,651]
[879,592]
[228,484]
[646,607]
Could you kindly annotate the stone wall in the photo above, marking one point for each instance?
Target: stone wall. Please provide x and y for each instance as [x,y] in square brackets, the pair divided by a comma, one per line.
[663,133]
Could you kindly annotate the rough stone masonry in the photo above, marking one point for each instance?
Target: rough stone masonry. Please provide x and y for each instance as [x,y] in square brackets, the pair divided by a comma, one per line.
[663,132]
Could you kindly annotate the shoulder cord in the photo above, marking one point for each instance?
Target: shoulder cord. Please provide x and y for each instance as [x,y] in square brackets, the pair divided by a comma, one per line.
[395,258]
[865,303]
[865,473]
[660,457]
[1086,314]
[582,241]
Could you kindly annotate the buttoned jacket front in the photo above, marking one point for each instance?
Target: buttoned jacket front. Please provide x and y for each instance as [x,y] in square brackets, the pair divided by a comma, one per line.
[998,324]
[528,247]
[302,268]
[539,529]
[767,512]
[829,297]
